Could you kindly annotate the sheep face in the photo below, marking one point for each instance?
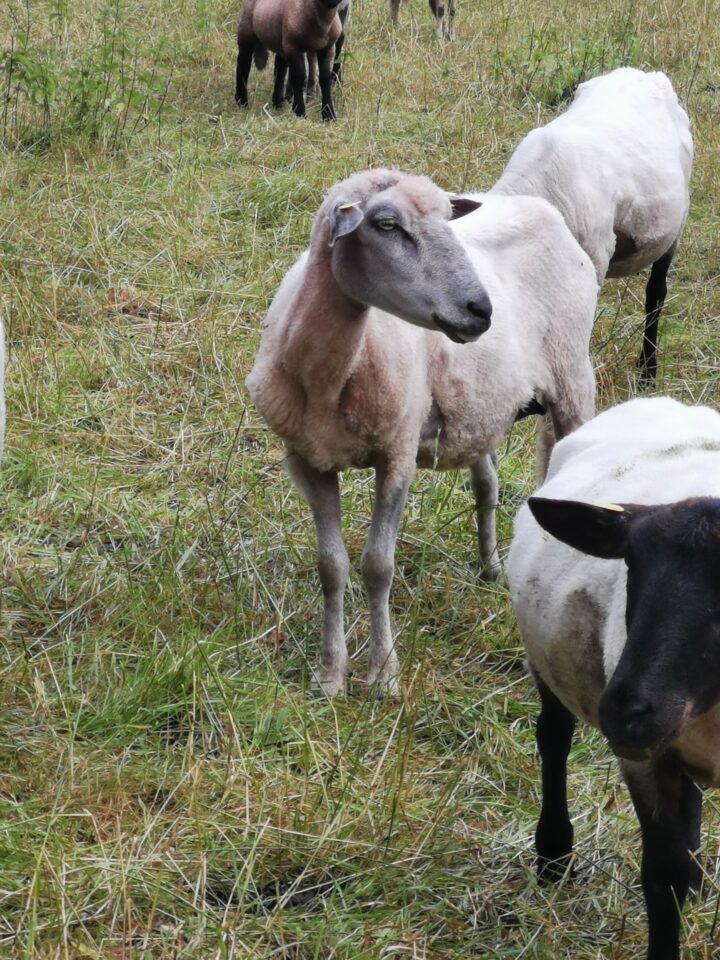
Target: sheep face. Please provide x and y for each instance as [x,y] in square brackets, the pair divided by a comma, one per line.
[395,250]
[669,670]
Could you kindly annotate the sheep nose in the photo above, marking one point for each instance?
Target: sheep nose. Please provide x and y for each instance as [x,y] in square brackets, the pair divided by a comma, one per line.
[482,311]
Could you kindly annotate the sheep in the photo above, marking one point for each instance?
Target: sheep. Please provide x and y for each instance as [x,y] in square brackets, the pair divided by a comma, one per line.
[347,384]
[437,8]
[617,166]
[625,633]
[291,29]
[336,74]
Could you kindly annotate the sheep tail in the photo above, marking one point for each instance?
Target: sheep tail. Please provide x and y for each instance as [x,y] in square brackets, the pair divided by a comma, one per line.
[260,56]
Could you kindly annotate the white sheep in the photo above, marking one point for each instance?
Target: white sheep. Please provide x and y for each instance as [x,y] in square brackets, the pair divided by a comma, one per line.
[292,29]
[345,383]
[621,623]
[617,166]
[443,24]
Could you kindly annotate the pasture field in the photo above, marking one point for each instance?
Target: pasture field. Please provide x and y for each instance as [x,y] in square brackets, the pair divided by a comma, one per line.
[168,786]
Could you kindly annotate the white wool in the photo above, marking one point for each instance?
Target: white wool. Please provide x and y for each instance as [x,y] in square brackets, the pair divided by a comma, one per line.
[647,451]
[617,161]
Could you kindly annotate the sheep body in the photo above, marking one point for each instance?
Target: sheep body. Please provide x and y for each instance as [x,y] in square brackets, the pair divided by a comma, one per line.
[617,165]
[648,450]
[621,631]
[292,29]
[374,390]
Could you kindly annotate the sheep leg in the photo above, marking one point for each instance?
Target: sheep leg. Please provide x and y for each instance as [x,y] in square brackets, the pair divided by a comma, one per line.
[554,833]
[242,71]
[278,96]
[483,475]
[655,294]
[322,492]
[450,31]
[377,565]
[669,807]
[562,418]
[325,61]
[336,75]
[296,63]
[312,72]
[394,8]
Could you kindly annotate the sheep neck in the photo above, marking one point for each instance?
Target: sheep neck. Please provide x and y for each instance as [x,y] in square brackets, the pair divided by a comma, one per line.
[327,333]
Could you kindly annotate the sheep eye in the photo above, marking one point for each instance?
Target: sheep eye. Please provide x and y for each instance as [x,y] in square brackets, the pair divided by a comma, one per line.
[386,223]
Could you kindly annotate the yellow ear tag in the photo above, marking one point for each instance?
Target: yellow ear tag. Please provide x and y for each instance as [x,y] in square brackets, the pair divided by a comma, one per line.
[349,206]
[610,506]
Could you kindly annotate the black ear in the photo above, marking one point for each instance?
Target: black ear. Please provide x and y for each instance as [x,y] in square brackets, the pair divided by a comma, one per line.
[461,206]
[601,531]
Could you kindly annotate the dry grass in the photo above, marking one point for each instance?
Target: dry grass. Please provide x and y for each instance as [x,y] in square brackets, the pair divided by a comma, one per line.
[168,786]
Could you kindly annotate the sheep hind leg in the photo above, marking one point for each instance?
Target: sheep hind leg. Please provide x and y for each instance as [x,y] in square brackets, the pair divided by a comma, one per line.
[483,476]
[655,294]
[394,8]
[377,566]
[278,96]
[322,492]
[669,807]
[554,833]
[297,78]
[324,63]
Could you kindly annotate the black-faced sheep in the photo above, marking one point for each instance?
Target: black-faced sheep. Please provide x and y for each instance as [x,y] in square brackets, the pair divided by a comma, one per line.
[620,616]
[346,383]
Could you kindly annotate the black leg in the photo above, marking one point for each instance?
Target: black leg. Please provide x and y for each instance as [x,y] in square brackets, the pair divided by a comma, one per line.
[297,79]
[337,63]
[669,807]
[312,72]
[325,70]
[655,294]
[244,62]
[554,834]
[278,97]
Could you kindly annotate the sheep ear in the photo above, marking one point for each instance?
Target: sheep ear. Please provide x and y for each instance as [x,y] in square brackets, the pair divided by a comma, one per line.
[600,530]
[461,206]
[343,219]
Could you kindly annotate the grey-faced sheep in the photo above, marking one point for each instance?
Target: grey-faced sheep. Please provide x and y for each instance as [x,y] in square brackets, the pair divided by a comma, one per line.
[617,166]
[620,616]
[292,29]
[345,382]
[444,23]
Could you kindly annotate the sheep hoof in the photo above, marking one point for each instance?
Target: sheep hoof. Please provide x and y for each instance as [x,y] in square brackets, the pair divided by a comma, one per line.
[493,573]
[555,871]
[327,682]
[328,114]
[384,682]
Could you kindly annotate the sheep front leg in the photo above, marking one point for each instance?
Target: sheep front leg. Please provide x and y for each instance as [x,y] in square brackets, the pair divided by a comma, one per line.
[483,475]
[242,71]
[394,8]
[669,807]
[554,833]
[325,62]
[322,492]
[377,566]
[296,63]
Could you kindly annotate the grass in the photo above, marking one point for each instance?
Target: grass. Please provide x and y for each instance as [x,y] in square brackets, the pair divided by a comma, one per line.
[168,787]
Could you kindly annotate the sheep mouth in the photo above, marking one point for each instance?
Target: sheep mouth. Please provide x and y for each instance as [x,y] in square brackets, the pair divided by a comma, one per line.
[452,333]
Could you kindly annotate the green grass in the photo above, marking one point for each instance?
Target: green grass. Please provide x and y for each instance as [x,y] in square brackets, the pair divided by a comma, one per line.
[168,787]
